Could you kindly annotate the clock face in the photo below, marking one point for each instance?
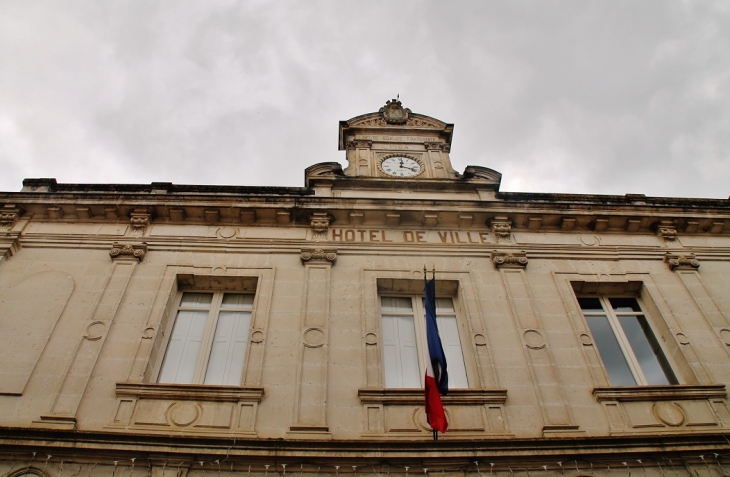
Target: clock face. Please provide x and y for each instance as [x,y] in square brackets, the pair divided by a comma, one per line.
[398,166]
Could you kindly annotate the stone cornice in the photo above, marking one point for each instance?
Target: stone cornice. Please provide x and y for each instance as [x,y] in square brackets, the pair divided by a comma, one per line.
[537,251]
[62,442]
[415,396]
[190,392]
[660,393]
[585,214]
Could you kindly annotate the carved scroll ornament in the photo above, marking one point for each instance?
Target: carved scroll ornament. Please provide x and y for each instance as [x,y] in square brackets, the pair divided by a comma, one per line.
[509,259]
[682,262]
[134,251]
[318,255]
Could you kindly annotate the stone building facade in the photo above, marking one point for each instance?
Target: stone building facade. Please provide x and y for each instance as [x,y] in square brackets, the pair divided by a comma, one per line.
[169,330]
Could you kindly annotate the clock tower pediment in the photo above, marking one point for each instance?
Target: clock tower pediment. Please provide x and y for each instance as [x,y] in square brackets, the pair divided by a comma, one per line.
[395,143]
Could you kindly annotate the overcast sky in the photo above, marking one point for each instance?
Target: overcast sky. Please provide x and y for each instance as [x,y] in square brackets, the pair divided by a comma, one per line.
[608,97]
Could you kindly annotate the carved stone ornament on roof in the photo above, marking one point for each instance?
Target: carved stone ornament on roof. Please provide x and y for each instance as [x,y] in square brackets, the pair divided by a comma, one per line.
[8,216]
[482,173]
[320,224]
[359,144]
[318,255]
[394,113]
[128,251]
[682,262]
[509,259]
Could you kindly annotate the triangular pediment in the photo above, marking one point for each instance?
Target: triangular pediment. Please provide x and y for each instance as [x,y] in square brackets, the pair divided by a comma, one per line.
[376,120]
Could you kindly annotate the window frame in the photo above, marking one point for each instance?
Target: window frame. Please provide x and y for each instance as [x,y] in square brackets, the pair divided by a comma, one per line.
[418,312]
[632,361]
[214,310]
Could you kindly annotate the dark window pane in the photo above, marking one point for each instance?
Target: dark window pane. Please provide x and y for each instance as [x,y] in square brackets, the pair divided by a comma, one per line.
[590,304]
[647,351]
[613,358]
[624,304]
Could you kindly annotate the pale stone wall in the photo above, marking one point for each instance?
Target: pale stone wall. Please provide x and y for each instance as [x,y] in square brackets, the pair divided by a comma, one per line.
[86,322]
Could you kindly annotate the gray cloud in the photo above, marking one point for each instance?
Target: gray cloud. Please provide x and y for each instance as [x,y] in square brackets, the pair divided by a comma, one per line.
[559,96]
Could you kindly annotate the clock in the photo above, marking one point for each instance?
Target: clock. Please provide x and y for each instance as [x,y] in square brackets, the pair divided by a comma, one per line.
[401,166]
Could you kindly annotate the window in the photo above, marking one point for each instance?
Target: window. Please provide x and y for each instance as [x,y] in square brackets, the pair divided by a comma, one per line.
[208,341]
[626,343]
[404,341]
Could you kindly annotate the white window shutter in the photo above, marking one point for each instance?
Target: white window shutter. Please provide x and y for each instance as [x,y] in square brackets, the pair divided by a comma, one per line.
[229,348]
[183,348]
[400,352]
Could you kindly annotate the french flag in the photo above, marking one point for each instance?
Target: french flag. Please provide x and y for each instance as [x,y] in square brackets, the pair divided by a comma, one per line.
[437,379]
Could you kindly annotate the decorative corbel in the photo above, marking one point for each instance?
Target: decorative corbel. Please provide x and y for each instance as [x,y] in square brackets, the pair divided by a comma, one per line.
[509,259]
[128,251]
[682,262]
[320,224]
[140,219]
[359,144]
[667,230]
[9,214]
[318,255]
[501,228]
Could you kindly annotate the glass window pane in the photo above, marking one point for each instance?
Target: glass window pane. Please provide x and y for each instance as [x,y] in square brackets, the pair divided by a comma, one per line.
[229,348]
[611,354]
[646,349]
[182,350]
[396,304]
[196,300]
[444,305]
[237,300]
[624,304]
[449,333]
[590,304]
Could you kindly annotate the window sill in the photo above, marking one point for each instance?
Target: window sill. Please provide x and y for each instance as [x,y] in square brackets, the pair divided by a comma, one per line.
[660,393]
[190,392]
[416,396]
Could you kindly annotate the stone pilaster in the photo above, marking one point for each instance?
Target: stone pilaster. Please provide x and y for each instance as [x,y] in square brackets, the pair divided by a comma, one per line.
[551,401]
[68,398]
[310,409]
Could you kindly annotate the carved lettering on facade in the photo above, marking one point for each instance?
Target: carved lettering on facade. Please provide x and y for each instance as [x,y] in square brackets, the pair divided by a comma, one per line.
[682,262]
[509,259]
[128,251]
[448,237]
[318,255]
[417,139]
